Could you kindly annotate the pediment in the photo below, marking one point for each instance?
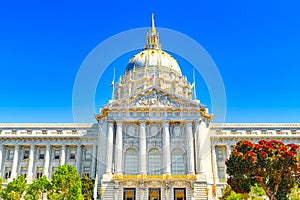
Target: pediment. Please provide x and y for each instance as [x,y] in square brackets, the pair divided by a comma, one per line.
[155,97]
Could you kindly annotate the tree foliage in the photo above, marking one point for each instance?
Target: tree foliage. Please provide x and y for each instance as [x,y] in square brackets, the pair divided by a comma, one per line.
[37,188]
[87,187]
[66,184]
[15,189]
[256,193]
[271,164]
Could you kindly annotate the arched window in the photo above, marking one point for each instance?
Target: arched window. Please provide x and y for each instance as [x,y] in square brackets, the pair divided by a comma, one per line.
[154,161]
[131,161]
[178,164]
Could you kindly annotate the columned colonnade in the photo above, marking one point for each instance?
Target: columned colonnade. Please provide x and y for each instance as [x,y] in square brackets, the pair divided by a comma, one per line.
[142,139]
[48,159]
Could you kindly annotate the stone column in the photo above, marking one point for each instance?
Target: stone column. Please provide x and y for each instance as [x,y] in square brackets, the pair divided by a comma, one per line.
[47,161]
[227,151]
[63,155]
[14,173]
[109,150]
[214,162]
[197,147]
[119,149]
[143,148]
[30,163]
[78,159]
[1,155]
[166,149]
[94,157]
[190,148]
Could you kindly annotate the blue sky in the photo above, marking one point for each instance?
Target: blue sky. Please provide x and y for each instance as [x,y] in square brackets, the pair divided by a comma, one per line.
[255,45]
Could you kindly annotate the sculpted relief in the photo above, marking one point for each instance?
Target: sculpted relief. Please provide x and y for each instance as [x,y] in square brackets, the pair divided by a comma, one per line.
[154,99]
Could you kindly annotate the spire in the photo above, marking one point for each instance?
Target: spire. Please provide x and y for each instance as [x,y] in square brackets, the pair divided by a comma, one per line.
[153,29]
[152,38]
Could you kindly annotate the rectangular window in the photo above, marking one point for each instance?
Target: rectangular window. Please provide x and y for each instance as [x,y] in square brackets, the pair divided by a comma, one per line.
[86,171]
[41,154]
[39,172]
[220,153]
[129,194]
[56,154]
[7,172]
[9,154]
[25,154]
[72,154]
[221,172]
[88,154]
[24,171]
[154,194]
[179,194]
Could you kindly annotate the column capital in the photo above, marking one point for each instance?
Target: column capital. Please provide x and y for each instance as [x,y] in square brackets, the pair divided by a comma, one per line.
[119,123]
[143,123]
[110,122]
[188,123]
[197,122]
[166,123]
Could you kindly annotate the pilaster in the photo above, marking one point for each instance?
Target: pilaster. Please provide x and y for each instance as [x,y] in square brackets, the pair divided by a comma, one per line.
[15,162]
[63,155]
[119,148]
[94,157]
[109,150]
[47,160]
[143,148]
[30,164]
[166,148]
[78,159]
[190,148]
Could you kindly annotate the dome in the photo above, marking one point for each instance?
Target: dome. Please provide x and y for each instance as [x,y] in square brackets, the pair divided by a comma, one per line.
[152,58]
[152,55]
[152,67]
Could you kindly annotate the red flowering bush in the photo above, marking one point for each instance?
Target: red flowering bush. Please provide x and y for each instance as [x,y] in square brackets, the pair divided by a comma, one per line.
[271,164]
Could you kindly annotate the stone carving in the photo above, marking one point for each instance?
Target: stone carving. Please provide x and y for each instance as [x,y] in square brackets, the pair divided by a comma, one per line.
[154,99]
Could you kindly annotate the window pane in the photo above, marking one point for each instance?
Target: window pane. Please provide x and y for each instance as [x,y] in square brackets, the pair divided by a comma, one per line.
[154,162]
[88,154]
[7,172]
[56,154]
[41,154]
[221,172]
[26,154]
[24,171]
[131,162]
[72,153]
[178,165]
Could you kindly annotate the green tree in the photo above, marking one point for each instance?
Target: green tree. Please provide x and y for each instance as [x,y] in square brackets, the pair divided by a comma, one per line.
[65,184]
[15,189]
[256,193]
[37,188]
[270,164]
[87,187]
[295,194]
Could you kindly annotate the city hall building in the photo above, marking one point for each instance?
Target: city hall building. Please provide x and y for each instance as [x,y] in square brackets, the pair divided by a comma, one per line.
[151,142]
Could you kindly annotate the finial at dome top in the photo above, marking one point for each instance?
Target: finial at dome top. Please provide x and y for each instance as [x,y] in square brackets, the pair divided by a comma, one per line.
[153,29]
[152,38]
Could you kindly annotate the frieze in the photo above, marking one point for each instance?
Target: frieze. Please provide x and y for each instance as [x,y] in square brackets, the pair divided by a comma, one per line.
[154,99]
